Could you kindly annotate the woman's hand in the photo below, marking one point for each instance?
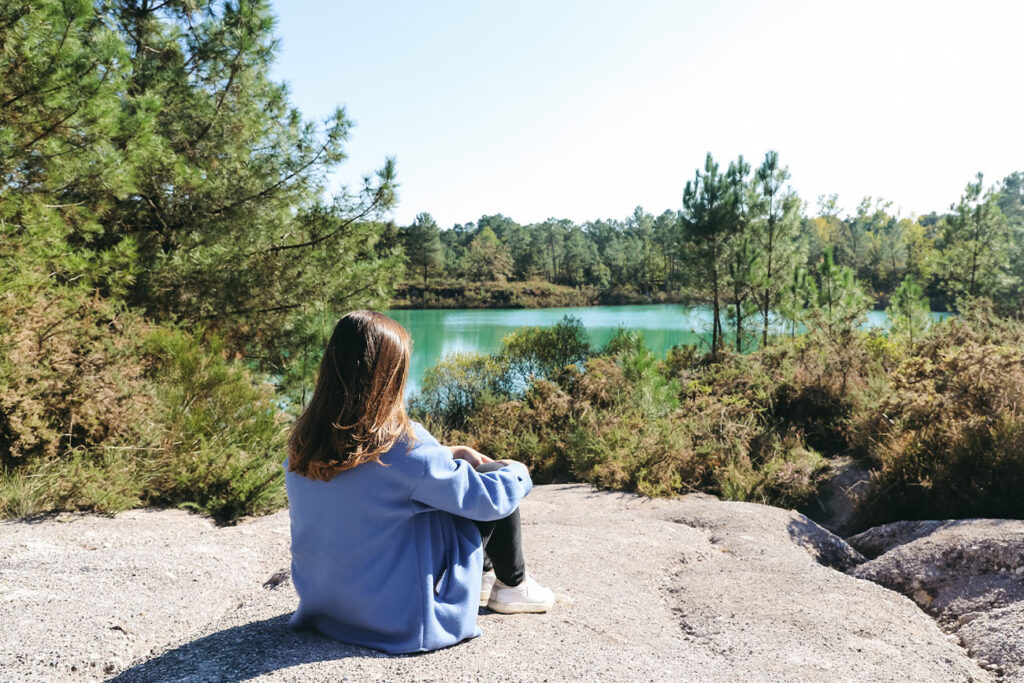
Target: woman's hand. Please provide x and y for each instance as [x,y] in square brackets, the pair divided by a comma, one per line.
[508,462]
[474,457]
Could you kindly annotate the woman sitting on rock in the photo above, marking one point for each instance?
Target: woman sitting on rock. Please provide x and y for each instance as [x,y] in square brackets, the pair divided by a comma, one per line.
[390,528]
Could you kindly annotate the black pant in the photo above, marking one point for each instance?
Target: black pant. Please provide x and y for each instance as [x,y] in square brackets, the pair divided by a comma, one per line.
[503,542]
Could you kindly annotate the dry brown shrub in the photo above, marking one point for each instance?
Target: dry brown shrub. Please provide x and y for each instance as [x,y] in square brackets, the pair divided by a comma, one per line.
[601,385]
[950,433]
[73,376]
[549,404]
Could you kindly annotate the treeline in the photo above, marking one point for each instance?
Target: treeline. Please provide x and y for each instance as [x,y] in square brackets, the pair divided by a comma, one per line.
[745,243]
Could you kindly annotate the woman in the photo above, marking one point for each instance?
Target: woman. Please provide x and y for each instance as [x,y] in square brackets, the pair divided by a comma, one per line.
[388,526]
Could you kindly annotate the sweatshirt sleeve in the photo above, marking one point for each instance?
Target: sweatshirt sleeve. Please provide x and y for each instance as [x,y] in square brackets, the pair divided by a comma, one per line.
[455,487]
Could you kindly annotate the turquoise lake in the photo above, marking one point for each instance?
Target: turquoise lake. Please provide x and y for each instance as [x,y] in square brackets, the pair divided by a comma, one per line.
[437,333]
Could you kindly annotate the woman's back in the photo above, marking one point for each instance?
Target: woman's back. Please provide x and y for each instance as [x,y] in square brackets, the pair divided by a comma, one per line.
[385,555]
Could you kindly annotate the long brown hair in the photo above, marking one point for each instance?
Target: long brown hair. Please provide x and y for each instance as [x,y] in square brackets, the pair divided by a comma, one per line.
[357,411]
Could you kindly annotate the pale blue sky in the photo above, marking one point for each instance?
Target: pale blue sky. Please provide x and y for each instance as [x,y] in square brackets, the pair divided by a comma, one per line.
[584,109]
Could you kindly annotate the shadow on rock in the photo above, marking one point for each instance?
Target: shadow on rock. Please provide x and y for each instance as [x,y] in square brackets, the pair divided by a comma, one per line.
[825,547]
[244,652]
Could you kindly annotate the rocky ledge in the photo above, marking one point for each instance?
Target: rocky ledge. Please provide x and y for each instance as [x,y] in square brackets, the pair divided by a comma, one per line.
[968,574]
[690,589]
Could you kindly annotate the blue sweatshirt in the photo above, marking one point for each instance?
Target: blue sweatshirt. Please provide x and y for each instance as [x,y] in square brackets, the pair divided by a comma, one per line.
[386,556]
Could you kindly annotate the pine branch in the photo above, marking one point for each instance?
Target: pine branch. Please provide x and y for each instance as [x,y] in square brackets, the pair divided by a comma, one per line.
[317,240]
[275,186]
[272,309]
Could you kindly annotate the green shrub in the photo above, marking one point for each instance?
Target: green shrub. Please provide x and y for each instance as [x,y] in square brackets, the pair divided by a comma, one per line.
[624,419]
[681,359]
[220,438]
[623,341]
[457,387]
[102,411]
[545,352]
[786,474]
[462,383]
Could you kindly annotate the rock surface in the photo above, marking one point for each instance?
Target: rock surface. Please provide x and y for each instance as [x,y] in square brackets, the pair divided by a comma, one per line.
[969,574]
[692,589]
[881,539]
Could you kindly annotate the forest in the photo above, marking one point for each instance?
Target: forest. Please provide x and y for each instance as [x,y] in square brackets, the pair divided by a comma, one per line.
[740,242]
[171,262]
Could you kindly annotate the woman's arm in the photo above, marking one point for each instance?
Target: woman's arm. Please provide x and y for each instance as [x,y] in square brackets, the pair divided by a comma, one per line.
[453,485]
[470,455]
[475,457]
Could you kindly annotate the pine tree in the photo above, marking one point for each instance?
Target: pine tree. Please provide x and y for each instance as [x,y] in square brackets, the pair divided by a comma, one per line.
[1011,203]
[909,312]
[487,258]
[61,120]
[706,227]
[740,258]
[837,302]
[666,237]
[775,235]
[422,242]
[146,152]
[837,305]
[974,244]
[641,227]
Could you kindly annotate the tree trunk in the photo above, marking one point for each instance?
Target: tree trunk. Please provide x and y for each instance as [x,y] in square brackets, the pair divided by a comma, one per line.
[739,323]
[770,248]
[716,323]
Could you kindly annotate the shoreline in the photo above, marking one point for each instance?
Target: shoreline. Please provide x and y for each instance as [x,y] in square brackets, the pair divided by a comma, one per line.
[523,295]
[537,294]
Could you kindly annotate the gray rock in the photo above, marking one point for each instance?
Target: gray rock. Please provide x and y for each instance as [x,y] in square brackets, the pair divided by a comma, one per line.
[966,573]
[881,539]
[689,589]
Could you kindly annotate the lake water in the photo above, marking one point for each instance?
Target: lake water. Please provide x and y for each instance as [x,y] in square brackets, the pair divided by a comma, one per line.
[436,333]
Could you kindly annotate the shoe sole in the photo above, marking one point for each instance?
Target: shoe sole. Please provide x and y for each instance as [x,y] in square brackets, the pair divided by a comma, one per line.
[519,607]
[485,593]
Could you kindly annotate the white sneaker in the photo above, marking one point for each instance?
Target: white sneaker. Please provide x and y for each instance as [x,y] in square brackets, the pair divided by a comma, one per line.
[486,584]
[529,596]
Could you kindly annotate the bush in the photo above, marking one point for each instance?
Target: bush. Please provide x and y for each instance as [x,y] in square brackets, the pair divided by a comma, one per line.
[624,419]
[545,352]
[217,436]
[457,387]
[624,341]
[462,383]
[71,374]
[786,474]
[102,411]
[949,439]
[940,421]
[822,396]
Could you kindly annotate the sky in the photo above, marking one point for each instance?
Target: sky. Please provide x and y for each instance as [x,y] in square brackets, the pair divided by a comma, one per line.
[585,109]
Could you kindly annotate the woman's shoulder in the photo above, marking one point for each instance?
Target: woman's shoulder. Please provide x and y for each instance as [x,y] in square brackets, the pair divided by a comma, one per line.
[423,443]
[419,448]
[421,436]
